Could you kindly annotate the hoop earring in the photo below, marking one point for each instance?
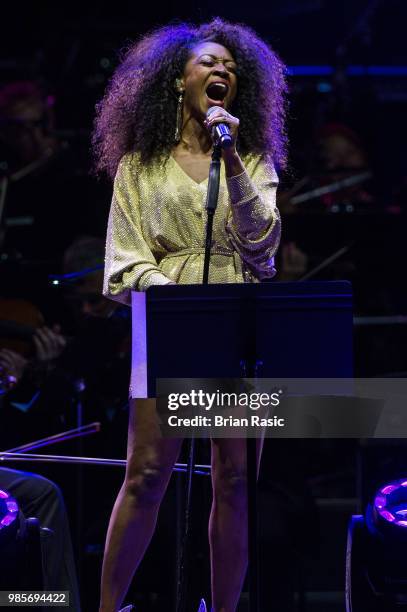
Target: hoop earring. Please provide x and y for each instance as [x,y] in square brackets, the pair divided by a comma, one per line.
[178,124]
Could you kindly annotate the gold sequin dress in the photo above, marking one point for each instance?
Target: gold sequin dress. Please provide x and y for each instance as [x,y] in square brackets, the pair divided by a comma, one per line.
[157,222]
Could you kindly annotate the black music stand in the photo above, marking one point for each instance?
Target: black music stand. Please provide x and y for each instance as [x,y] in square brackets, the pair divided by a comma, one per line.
[266,330]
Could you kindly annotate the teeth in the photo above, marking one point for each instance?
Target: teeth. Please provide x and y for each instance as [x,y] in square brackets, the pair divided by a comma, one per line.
[221,85]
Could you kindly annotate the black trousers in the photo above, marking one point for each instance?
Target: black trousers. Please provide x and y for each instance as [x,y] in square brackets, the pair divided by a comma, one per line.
[42,499]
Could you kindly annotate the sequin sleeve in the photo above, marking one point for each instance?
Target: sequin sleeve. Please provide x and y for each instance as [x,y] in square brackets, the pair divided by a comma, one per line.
[254,226]
[129,262]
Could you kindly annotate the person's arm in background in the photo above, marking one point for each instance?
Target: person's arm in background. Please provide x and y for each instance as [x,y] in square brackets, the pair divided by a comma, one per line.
[22,376]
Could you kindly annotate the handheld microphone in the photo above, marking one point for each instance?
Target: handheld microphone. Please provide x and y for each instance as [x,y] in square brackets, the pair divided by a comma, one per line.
[220,132]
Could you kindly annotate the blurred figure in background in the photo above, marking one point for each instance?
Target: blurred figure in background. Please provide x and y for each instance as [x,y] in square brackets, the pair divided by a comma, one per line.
[47,194]
[293,262]
[84,258]
[27,124]
[340,148]
[42,499]
[92,351]
[29,350]
[86,359]
[341,155]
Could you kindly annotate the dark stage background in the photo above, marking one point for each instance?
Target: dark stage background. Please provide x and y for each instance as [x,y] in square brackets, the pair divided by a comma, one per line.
[348,100]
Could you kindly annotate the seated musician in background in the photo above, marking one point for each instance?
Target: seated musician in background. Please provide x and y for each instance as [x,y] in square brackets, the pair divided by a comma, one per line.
[50,196]
[341,154]
[37,384]
[40,375]
[37,497]
[27,124]
[40,498]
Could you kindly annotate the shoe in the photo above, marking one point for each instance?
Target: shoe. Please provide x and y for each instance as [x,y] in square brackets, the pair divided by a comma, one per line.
[202,606]
[127,609]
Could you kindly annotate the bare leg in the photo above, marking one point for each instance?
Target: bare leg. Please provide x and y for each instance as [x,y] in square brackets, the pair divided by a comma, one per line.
[228,522]
[150,460]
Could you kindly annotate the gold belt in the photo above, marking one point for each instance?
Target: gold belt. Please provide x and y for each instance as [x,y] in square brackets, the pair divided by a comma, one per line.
[199,251]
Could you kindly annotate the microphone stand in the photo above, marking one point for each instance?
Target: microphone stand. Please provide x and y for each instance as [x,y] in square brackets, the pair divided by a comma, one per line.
[211,204]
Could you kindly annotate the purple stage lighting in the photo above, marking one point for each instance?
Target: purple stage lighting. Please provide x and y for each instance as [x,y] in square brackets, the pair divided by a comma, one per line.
[8,510]
[376,561]
[390,503]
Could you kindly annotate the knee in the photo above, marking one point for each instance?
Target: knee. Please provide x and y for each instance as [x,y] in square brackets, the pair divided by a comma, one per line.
[230,487]
[146,486]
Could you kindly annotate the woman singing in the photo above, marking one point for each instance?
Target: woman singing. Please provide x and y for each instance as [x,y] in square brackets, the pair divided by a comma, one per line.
[153,137]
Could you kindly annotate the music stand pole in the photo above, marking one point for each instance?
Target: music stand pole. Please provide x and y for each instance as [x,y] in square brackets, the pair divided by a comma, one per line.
[211,204]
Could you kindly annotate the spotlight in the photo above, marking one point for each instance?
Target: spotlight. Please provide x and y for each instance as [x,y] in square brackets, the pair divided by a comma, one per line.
[8,516]
[376,556]
[9,530]
[390,506]
[20,546]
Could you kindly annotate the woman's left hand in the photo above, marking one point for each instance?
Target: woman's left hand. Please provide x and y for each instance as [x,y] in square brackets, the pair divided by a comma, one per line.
[220,115]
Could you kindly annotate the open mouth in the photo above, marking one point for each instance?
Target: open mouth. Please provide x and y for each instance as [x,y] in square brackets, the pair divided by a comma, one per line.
[217,92]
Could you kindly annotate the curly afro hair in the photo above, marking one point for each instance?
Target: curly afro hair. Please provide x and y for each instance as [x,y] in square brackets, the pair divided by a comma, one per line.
[138,111]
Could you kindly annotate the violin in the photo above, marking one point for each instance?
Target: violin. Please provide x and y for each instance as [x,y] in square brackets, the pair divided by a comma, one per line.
[19,320]
[24,338]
